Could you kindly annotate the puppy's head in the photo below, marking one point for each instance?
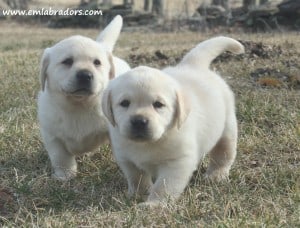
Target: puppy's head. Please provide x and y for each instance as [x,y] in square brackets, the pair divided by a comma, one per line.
[144,103]
[77,67]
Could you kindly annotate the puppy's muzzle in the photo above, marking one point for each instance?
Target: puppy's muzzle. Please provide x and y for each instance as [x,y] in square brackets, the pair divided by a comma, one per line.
[84,79]
[139,128]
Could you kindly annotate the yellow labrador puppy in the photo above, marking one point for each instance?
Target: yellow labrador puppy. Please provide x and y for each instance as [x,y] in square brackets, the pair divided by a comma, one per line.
[74,73]
[162,123]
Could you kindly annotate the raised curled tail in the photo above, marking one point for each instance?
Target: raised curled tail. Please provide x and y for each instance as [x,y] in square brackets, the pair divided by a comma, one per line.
[111,33]
[208,50]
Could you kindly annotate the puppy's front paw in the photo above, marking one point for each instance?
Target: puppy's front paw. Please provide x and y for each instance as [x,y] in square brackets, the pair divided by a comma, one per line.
[151,205]
[63,176]
[217,174]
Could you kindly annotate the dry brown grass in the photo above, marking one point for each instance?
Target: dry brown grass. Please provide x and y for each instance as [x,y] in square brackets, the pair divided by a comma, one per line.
[264,188]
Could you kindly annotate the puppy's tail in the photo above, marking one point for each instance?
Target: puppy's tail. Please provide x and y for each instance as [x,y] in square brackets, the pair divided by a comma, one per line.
[208,50]
[111,33]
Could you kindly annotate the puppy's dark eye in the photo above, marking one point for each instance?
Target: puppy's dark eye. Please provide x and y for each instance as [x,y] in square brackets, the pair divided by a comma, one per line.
[97,62]
[125,103]
[158,104]
[68,62]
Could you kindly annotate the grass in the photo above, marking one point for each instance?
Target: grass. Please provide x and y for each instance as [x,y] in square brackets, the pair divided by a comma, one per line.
[264,187]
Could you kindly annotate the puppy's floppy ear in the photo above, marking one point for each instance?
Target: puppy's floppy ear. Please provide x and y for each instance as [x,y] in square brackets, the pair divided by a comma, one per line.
[182,109]
[43,68]
[107,106]
[112,66]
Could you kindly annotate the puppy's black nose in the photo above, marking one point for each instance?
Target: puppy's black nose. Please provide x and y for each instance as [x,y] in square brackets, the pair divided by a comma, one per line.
[84,77]
[139,122]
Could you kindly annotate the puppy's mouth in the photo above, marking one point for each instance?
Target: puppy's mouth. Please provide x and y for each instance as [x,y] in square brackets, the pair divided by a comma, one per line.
[78,92]
[79,95]
[141,136]
[81,92]
[138,138]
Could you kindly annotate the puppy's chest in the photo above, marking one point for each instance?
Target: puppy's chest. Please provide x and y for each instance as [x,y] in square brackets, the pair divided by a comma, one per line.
[150,158]
[84,143]
[167,153]
[82,134]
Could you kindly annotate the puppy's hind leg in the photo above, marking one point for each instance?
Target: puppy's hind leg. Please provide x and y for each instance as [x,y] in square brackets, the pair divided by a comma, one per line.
[223,154]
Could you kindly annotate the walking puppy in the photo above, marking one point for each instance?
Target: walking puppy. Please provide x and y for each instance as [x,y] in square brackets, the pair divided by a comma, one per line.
[162,123]
[74,73]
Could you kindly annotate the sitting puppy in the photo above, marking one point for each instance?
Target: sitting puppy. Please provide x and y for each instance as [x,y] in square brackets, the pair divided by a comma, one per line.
[74,73]
[162,123]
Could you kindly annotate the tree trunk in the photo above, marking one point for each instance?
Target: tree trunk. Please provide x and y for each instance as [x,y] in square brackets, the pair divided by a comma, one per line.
[17,4]
[107,2]
[247,4]
[223,3]
[127,2]
[158,7]
[147,5]
[263,2]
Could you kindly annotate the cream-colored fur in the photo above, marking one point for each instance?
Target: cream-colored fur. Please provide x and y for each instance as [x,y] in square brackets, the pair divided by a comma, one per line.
[74,73]
[164,122]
